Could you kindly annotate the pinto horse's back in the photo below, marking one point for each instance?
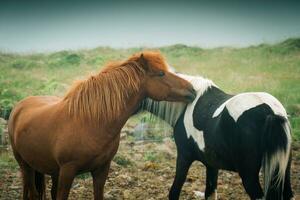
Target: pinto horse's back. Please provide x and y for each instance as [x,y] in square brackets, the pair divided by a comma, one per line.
[260,135]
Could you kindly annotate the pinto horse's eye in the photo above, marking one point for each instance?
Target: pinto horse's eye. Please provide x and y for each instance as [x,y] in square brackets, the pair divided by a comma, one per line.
[161,73]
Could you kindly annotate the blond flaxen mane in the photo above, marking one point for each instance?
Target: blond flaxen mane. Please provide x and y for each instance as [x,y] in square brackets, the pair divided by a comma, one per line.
[104,96]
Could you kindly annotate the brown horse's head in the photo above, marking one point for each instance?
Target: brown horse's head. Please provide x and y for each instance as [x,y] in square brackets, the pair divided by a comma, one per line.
[160,83]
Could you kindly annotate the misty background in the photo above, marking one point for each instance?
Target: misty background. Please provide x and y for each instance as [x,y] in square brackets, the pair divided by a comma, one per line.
[38,26]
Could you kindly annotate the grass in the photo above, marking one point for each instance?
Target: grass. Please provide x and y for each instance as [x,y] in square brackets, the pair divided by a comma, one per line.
[7,161]
[151,156]
[271,68]
[122,160]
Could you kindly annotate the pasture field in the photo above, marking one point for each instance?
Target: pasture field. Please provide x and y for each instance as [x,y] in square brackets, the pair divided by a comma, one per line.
[271,68]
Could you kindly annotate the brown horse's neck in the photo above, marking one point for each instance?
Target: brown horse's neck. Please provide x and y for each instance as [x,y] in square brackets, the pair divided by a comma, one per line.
[109,98]
[132,104]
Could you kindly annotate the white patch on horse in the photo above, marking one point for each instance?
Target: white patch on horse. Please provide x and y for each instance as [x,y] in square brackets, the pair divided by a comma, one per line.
[240,103]
[200,85]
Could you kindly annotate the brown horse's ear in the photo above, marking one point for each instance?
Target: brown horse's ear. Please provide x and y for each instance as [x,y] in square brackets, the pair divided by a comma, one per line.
[143,62]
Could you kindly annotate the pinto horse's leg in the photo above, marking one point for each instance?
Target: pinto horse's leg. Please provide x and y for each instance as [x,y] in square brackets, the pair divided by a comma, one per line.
[211,183]
[252,185]
[67,174]
[54,179]
[99,178]
[183,164]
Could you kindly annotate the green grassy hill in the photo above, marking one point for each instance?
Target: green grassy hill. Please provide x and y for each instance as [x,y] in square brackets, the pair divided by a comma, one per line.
[271,68]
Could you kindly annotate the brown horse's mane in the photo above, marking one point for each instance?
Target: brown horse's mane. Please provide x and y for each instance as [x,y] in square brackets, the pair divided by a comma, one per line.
[103,96]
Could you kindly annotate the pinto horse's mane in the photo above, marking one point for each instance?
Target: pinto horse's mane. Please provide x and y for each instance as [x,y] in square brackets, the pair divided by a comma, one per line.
[103,96]
[171,111]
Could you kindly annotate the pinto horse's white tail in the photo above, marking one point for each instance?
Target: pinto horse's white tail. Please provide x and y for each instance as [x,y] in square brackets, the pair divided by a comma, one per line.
[276,144]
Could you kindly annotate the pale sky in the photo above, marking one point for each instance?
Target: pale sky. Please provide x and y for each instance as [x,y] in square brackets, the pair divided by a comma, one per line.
[44,25]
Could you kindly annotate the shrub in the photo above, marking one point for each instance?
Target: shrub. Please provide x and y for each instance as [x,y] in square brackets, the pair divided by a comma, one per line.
[64,59]
[72,59]
[150,156]
[122,160]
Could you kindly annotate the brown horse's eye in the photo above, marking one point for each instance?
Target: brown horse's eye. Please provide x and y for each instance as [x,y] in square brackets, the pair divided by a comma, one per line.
[161,73]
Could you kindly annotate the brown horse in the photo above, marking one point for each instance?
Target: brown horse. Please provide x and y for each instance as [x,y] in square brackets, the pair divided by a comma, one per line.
[64,137]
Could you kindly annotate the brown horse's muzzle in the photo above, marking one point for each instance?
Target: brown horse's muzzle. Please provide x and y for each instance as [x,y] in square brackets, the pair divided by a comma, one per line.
[184,95]
[191,94]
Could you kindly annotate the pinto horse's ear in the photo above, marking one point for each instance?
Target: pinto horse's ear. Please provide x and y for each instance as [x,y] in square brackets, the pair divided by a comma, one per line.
[143,62]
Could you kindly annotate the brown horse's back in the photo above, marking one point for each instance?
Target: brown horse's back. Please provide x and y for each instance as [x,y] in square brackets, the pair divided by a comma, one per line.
[29,127]
[44,135]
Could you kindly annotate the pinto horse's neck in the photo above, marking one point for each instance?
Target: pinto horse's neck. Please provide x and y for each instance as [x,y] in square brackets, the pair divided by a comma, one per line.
[171,111]
[167,111]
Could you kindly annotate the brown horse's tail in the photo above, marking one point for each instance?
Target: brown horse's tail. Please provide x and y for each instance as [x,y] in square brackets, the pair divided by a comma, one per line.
[40,185]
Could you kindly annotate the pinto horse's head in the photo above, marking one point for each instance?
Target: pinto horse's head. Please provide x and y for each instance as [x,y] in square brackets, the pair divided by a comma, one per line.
[160,83]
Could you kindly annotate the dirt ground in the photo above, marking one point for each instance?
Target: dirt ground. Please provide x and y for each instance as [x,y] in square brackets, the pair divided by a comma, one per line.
[145,170]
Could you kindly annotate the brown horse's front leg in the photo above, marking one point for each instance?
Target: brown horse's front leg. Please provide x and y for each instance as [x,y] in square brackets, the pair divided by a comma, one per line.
[99,178]
[67,174]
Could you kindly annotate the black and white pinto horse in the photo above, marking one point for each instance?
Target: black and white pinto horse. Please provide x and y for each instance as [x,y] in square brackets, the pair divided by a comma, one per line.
[241,133]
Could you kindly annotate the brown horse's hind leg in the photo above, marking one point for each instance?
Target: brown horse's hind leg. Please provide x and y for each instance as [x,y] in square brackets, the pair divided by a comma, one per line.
[40,185]
[25,187]
[29,179]
[29,190]
[99,178]
[67,174]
